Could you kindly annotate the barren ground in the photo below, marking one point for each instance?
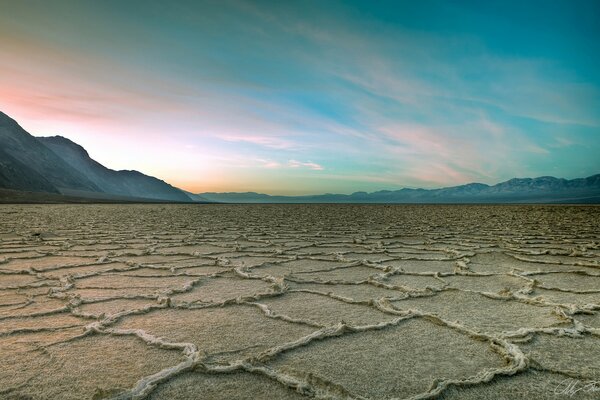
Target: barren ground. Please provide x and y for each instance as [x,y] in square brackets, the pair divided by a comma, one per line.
[299,301]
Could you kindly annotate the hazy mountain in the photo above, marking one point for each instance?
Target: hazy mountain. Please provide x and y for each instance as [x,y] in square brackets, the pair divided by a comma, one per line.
[124,183]
[58,165]
[26,164]
[196,197]
[545,189]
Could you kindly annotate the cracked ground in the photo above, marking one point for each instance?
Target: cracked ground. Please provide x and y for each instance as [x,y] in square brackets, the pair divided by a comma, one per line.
[299,301]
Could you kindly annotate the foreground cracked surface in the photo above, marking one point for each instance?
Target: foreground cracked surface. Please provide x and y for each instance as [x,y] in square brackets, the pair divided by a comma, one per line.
[299,301]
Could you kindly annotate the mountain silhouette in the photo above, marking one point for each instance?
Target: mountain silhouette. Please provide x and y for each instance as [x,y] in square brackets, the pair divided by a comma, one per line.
[545,189]
[58,165]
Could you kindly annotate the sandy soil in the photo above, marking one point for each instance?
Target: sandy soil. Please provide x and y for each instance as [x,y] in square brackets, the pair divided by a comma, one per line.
[299,301]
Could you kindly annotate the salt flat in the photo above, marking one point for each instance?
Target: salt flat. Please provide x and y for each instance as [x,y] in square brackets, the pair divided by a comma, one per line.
[299,301]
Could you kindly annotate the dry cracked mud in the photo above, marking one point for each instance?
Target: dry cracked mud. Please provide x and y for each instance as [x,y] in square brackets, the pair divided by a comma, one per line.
[299,301]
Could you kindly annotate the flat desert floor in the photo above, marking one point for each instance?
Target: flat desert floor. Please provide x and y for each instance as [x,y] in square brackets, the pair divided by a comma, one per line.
[299,301]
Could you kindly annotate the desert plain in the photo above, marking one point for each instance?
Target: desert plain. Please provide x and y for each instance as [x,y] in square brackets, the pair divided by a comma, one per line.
[299,301]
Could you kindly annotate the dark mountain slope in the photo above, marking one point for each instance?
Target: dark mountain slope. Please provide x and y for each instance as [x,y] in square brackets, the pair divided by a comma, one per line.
[124,183]
[58,165]
[29,165]
[18,176]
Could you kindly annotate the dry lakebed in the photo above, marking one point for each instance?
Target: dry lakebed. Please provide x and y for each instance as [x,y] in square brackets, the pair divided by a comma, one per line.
[299,301]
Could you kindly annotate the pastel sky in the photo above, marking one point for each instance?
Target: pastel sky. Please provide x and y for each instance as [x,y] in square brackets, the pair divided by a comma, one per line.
[303,97]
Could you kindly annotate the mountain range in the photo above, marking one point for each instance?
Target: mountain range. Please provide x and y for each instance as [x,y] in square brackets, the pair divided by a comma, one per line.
[58,168]
[545,189]
[58,165]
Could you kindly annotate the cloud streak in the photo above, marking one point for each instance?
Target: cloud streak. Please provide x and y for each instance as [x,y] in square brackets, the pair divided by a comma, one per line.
[308,164]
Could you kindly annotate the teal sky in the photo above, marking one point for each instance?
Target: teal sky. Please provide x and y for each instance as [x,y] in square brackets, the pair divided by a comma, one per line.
[303,97]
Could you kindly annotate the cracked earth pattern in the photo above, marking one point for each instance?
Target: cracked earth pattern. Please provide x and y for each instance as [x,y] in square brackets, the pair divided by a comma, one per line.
[299,301]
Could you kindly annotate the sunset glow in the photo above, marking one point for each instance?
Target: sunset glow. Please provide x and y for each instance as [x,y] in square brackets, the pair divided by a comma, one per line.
[291,98]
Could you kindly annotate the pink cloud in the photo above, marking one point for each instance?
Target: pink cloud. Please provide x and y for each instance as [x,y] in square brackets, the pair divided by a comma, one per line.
[268,163]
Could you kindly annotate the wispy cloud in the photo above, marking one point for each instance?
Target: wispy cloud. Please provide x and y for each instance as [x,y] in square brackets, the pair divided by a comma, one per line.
[271,164]
[272,142]
[308,164]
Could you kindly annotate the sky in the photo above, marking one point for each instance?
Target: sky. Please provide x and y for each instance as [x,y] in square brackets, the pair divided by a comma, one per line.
[306,97]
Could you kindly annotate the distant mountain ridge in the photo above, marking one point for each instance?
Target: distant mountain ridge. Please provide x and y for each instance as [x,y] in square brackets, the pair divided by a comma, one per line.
[545,189]
[58,165]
